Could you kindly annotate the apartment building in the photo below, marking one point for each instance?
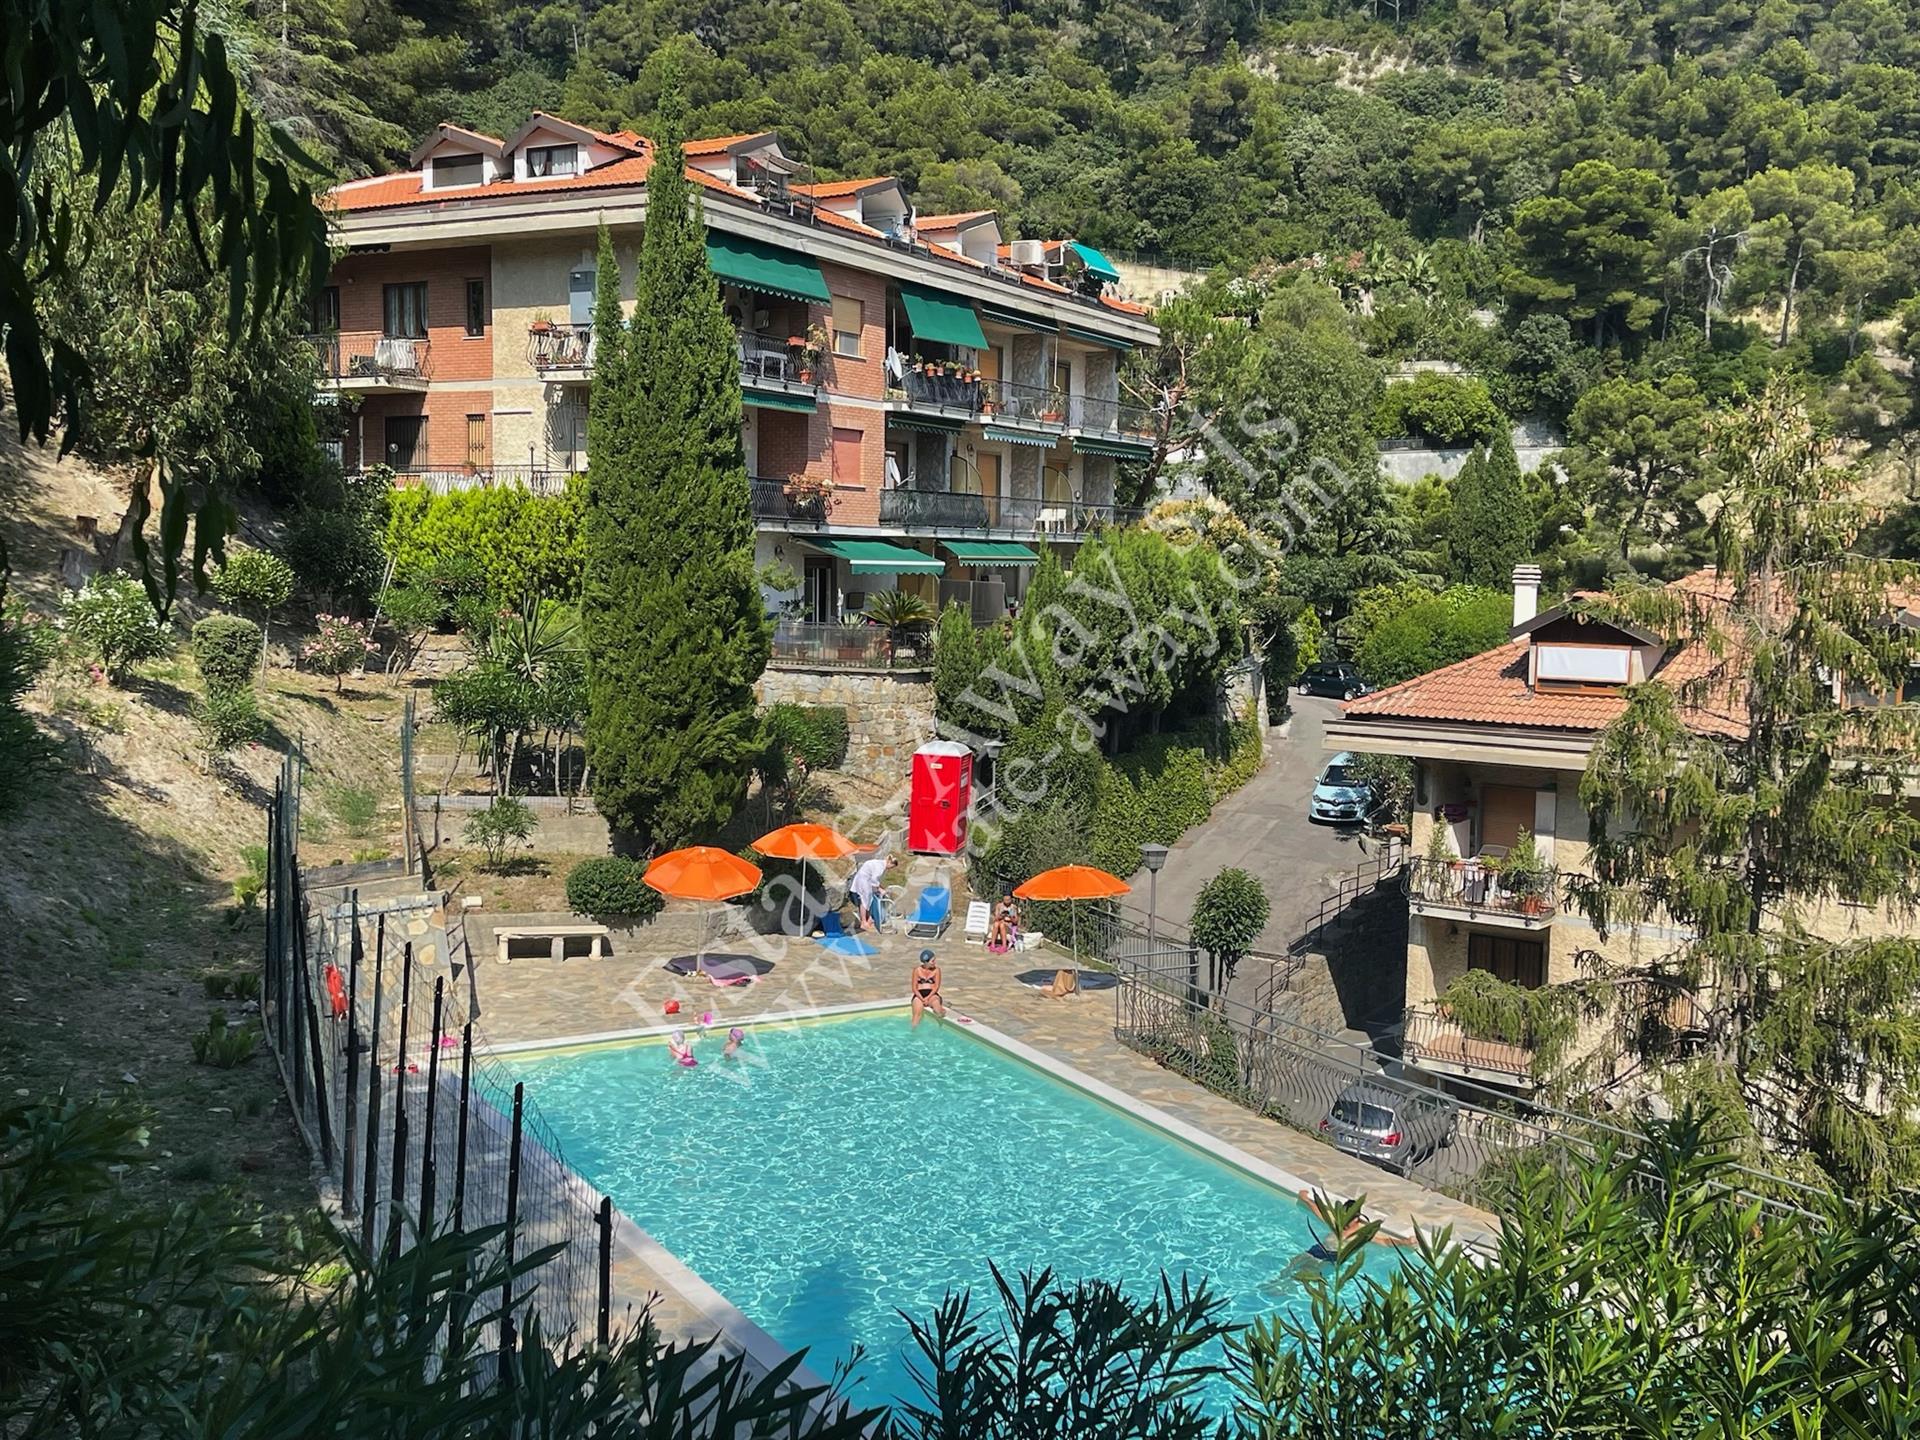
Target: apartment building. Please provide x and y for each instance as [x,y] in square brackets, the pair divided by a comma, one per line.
[1499,743]
[926,402]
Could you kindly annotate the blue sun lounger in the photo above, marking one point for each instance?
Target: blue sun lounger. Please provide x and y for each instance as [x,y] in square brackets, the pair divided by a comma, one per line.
[931,912]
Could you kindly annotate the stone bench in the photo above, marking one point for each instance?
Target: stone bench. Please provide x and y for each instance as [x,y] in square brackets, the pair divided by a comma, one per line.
[555,938]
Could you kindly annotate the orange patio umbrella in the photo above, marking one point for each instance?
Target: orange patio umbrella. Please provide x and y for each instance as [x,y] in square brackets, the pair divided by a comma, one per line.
[807,842]
[1073,883]
[705,873]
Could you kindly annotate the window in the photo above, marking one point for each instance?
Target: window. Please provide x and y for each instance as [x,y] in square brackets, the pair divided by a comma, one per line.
[580,297]
[1063,376]
[405,310]
[544,161]
[846,455]
[1505,810]
[849,319]
[1518,962]
[326,310]
[1582,664]
[457,170]
[476,307]
[477,441]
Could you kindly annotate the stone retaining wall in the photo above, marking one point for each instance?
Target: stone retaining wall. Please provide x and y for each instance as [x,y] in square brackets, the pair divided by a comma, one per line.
[889,712]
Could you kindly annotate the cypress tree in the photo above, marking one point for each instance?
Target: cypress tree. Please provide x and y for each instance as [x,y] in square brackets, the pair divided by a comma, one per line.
[675,630]
[1491,525]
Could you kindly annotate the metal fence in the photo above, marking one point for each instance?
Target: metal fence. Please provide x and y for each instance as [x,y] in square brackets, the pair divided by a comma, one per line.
[1278,1067]
[417,1127]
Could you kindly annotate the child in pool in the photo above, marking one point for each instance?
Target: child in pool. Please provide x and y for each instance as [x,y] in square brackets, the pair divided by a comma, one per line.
[734,1038]
[680,1050]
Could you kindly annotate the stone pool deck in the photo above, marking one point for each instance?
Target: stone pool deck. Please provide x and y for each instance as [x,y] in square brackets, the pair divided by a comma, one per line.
[536,1002]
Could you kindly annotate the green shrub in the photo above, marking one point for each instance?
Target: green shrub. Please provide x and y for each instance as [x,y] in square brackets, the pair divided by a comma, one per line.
[254,581]
[1441,409]
[339,647]
[411,611]
[610,888]
[816,734]
[227,650]
[496,540]
[231,984]
[505,822]
[224,1047]
[1459,622]
[112,622]
[336,554]
[1228,915]
[355,807]
[227,719]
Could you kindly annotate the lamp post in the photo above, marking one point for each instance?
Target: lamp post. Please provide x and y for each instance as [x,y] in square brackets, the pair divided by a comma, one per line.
[1153,857]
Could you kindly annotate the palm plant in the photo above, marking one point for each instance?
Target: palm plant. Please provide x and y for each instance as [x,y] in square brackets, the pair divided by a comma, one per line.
[899,612]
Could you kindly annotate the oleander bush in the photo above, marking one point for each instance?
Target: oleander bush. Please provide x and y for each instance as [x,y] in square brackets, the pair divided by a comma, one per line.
[815,734]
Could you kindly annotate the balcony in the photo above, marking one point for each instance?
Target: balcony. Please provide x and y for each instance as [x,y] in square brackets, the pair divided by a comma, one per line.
[1476,890]
[367,364]
[1111,417]
[913,507]
[559,348]
[539,479]
[852,644]
[1433,1041]
[769,363]
[781,500]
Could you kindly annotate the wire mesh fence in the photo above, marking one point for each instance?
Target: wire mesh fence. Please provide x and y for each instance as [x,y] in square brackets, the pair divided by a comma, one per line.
[417,1125]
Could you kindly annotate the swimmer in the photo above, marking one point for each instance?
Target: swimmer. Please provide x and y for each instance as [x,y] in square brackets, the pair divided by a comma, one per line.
[680,1050]
[735,1037]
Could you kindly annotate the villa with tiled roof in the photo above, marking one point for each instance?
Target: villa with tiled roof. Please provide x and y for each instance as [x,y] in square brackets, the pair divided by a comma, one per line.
[925,403]
[1499,742]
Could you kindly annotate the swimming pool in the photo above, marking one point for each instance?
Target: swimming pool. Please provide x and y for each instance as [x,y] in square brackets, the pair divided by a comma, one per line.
[853,1168]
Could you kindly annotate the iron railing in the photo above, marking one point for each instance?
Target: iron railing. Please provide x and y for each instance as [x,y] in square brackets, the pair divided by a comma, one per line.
[1111,417]
[560,347]
[912,506]
[1009,402]
[1470,886]
[767,360]
[1336,908]
[849,645]
[781,500]
[368,356]
[540,479]
[1431,1036]
[933,388]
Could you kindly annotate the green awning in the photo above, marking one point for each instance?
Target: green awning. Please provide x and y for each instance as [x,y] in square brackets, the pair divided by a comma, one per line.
[1118,449]
[942,319]
[1095,262]
[1019,437]
[1096,337]
[1013,320]
[779,400]
[990,552]
[877,557]
[755,265]
[932,424]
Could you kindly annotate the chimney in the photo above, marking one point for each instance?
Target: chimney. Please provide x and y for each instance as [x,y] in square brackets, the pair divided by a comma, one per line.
[1526,594]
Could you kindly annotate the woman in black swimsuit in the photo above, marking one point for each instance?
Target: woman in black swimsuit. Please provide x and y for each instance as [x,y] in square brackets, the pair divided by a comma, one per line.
[925,988]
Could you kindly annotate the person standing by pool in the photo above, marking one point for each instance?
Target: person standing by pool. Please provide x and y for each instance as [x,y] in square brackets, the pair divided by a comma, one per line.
[925,988]
[865,890]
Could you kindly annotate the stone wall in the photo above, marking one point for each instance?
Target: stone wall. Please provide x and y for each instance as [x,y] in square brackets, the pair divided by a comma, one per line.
[889,713]
[557,830]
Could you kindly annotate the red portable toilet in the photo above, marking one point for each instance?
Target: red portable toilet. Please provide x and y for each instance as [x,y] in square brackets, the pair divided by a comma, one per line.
[942,795]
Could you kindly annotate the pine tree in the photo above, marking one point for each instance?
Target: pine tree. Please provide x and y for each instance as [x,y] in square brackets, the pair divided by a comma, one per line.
[675,630]
[1757,839]
[1490,523]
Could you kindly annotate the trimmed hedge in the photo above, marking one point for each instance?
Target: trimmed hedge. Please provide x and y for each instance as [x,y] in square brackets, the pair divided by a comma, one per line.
[523,544]
[817,734]
[610,887]
[227,650]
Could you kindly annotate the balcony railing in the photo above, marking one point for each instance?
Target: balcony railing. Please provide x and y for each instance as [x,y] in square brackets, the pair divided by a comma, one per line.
[540,479]
[780,500]
[810,645]
[1111,417]
[1432,1037]
[1481,889]
[372,357]
[914,506]
[560,347]
[770,360]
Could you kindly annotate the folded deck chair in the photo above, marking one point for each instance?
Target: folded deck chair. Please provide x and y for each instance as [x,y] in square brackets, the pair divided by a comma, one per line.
[931,913]
[979,922]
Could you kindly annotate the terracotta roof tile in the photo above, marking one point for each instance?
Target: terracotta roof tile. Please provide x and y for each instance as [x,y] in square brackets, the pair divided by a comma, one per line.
[714,144]
[948,222]
[836,189]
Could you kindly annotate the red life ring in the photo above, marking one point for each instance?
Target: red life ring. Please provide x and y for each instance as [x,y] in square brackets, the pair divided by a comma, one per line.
[336,990]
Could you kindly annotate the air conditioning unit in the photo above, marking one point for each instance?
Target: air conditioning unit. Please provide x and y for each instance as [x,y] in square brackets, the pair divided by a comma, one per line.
[1028,252]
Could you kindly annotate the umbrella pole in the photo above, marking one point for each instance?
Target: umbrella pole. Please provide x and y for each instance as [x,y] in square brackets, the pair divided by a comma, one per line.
[1073,909]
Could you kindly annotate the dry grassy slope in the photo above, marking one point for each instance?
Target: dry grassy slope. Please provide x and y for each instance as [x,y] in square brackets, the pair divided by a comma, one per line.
[115,884]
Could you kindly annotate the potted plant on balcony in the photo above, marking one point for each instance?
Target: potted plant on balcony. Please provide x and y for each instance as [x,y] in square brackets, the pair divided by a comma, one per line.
[809,494]
[1055,408]
[811,352]
[1525,876]
[541,323]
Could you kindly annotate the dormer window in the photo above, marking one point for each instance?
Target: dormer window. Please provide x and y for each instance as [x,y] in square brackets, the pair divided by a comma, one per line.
[1563,666]
[451,170]
[551,161]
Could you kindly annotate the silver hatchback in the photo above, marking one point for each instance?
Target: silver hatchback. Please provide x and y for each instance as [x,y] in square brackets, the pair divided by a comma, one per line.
[1389,1126]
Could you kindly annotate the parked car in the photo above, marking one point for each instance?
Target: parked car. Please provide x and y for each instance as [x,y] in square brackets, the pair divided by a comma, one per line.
[1338,678]
[1339,796]
[1391,1127]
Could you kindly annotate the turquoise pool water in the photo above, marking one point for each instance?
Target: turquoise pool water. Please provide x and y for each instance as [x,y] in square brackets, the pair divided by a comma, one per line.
[849,1169]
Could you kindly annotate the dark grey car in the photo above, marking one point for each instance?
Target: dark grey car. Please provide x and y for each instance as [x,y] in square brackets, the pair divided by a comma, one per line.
[1391,1127]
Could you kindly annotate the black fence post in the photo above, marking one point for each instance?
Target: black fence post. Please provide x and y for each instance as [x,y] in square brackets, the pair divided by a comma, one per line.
[350,1125]
[604,1310]
[269,895]
[428,1167]
[507,1336]
[398,1188]
[370,1201]
[310,1003]
[457,1312]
